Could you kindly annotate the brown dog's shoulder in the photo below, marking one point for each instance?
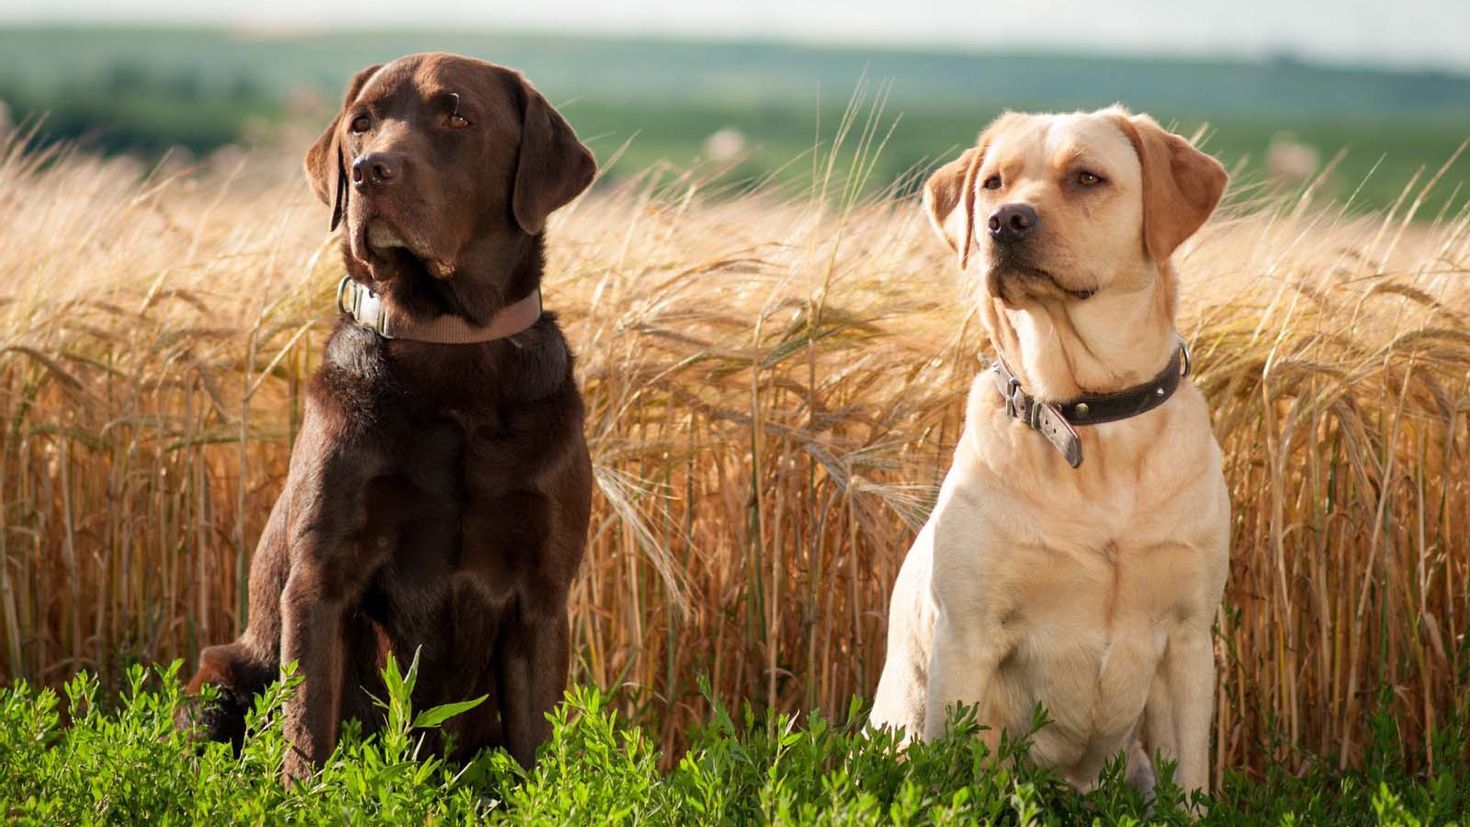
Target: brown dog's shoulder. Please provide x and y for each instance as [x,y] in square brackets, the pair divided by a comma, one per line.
[542,362]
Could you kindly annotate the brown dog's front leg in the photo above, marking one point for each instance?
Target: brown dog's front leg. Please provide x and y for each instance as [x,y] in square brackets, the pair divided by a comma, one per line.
[531,675]
[329,570]
[311,637]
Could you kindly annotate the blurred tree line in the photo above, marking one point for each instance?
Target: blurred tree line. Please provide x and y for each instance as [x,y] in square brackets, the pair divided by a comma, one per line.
[143,109]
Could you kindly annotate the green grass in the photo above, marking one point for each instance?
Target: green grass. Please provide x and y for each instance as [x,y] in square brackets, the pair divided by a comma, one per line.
[86,760]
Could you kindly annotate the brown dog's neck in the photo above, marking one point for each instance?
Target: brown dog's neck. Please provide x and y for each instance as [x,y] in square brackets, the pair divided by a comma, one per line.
[493,274]
[1062,349]
[524,367]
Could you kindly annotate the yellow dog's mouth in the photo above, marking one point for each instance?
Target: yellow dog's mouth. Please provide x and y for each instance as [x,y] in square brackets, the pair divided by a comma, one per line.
[1013,282]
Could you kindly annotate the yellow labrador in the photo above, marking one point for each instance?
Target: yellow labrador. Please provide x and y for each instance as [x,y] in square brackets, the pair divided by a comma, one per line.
[1079,547]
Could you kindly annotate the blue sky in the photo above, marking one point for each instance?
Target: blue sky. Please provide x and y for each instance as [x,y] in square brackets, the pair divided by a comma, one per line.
[1409,33]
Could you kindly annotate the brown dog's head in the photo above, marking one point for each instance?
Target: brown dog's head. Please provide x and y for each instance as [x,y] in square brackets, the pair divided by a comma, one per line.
[1064,206]
[442,163]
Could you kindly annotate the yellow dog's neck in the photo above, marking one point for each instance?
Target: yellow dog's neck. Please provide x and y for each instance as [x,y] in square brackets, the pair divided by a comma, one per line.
[1060,349]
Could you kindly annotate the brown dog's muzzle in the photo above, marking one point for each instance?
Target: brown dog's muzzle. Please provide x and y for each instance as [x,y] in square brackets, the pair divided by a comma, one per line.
[394,213]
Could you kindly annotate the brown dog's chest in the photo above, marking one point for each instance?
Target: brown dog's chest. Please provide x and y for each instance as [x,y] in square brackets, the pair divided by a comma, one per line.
[466,466]
[457,502]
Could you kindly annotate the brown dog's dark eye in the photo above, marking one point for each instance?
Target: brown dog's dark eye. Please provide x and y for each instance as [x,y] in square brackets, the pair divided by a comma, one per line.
[457,121]
[993,182]
[1089,179]
[361,123]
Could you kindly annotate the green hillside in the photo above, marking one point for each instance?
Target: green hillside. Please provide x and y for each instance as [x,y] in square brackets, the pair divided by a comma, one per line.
[146,90]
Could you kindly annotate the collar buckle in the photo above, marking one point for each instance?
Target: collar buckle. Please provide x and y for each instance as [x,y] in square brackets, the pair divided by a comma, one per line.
[1016,400]
[363,305]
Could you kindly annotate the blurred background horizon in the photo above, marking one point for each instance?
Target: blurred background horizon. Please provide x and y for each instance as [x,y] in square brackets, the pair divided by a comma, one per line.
[1355,99]
[1412,34]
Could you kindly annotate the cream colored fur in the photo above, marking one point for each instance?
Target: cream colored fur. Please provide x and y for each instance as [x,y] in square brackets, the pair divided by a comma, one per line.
[1091,591]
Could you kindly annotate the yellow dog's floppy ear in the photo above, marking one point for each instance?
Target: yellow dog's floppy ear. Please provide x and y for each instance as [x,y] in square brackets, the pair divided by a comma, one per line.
[325,166]
[1181,185]
[949,199]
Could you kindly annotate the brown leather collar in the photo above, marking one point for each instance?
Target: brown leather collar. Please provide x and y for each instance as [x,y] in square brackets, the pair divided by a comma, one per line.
[1054,420]
[366,308]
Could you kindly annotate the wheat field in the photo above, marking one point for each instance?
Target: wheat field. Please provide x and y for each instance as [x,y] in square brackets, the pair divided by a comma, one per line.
[774,380]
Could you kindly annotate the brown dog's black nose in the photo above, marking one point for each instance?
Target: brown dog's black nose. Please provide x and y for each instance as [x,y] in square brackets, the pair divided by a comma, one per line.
[1012,222]
[374,169]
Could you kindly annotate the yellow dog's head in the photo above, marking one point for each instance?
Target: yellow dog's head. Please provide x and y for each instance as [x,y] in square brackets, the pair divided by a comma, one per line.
[1062,207]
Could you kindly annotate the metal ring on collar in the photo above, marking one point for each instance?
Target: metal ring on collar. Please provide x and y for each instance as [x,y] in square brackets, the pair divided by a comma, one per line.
[342,287]
[381,325]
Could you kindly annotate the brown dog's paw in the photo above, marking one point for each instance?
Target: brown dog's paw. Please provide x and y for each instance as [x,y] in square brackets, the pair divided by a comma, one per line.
[221,718]
[297,767]
[237,678]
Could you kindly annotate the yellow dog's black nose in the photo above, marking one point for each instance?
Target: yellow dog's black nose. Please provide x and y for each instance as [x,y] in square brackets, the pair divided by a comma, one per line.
[1012,222]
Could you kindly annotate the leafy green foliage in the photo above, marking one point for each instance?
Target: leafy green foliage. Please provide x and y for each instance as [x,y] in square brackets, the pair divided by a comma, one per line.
[130,765]
[74,762]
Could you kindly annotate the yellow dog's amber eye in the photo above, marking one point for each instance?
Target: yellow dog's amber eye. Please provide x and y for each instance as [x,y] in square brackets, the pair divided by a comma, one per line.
[993,182]
[1088,179]
[457,122]
[361,123]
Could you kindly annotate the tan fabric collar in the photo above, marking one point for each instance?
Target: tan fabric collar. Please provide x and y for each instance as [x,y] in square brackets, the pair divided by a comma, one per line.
[366,308]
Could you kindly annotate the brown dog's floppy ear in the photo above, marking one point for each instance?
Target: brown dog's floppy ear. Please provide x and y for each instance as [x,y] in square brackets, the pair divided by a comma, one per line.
[949,199]
[552,168]
[1181,185]
[325,166]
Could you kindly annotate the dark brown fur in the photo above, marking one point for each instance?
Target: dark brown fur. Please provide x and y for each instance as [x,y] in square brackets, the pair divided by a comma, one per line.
[438,495]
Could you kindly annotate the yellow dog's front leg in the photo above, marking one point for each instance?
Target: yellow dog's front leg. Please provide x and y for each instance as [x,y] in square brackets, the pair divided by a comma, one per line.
[1177,717]
[961,669]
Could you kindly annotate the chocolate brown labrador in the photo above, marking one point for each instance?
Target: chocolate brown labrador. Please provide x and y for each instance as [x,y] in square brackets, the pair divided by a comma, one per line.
[438,494]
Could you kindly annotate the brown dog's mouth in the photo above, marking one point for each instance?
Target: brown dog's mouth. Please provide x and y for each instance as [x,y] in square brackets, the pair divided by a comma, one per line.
[375,237]
[376,240]
[382,237]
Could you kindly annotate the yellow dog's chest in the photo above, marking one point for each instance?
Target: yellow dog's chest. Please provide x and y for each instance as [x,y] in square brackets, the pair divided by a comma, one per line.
[1083,635]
